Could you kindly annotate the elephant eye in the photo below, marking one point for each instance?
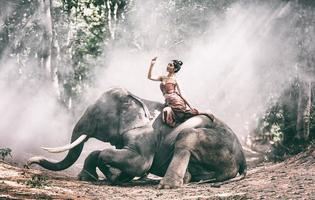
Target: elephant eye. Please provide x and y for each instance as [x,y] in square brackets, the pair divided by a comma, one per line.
[125,103]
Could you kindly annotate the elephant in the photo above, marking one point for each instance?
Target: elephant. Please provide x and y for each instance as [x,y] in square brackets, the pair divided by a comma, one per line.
[201,148]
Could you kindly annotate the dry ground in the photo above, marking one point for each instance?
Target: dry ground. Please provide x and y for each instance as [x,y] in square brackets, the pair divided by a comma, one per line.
[291,179]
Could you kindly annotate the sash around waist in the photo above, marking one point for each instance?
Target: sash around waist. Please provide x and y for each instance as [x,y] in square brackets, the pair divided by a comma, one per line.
[174,100]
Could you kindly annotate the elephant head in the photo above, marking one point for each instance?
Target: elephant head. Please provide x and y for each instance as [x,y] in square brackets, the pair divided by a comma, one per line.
[113,114]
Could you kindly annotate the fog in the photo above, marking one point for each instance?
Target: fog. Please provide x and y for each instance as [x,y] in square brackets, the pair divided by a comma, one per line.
[233,64]
[243,58]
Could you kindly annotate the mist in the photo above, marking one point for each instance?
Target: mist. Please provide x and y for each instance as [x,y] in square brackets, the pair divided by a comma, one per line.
[233,64]
[245,56]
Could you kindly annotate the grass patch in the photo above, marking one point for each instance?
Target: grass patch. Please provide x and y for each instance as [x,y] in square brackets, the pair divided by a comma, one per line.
[4,152]
[37,181]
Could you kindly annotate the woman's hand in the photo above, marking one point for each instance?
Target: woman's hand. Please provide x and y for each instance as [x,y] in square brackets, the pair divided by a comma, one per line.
[153,60]
[150,71]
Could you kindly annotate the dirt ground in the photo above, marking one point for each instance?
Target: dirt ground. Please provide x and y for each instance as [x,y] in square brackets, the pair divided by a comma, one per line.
[291,179]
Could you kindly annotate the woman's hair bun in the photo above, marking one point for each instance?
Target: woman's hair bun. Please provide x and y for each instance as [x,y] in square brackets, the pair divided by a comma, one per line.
[177,65]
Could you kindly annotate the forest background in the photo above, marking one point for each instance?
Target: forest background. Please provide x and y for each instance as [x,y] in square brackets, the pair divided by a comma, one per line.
[251,63]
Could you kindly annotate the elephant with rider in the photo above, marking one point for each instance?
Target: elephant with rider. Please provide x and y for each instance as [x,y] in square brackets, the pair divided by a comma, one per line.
[201,148]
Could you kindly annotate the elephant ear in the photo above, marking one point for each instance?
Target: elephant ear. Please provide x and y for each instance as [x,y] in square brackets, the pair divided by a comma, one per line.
[133,114]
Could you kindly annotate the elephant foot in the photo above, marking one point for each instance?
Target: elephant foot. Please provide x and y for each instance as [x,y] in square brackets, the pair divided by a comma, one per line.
[112,176]
[187,177]
[170,183]
[85,175]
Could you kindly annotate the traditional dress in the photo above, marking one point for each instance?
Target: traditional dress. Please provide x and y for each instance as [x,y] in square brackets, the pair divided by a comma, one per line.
[176,110]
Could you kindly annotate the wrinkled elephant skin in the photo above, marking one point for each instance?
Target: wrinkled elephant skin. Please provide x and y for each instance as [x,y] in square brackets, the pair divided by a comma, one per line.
[201,148]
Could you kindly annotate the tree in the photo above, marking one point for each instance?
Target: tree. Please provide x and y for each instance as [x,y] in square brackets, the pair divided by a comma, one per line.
[47,54]
[306,71]
[293,112]
[304,111]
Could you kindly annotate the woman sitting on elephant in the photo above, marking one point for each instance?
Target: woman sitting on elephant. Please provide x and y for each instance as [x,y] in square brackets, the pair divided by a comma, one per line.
[177,109]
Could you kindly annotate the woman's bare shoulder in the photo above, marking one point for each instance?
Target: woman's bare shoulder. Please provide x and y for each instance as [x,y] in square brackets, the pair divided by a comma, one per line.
[163,78]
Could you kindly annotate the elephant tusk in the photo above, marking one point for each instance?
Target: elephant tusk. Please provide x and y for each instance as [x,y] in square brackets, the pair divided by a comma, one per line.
[66,147]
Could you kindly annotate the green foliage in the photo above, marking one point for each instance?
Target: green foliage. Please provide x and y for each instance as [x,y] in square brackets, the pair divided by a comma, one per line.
[279,121]
[90,22]
[278,125]
[85,29]
[37,181]
[4,152]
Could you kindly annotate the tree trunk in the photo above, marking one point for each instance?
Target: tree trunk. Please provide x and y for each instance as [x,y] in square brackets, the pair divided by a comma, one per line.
[304,111]
[48,54]
[312,124]
[54,54]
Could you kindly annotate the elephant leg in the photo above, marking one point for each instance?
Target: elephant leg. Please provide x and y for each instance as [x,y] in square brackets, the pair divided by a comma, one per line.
[88,173]
[187,177]
[94,160]
[113,175]
[129,162]
[177,170]
[227,173]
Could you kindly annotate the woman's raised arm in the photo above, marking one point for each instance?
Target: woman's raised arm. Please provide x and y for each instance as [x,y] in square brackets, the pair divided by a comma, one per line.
[150,71]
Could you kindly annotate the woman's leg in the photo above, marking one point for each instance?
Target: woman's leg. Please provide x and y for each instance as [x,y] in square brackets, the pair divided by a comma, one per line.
[168,116]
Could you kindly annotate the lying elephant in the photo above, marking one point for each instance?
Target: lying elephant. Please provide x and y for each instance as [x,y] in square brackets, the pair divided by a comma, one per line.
[200,148]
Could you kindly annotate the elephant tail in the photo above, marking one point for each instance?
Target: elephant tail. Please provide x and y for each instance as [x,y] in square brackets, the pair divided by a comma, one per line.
[69,160]
[243,166]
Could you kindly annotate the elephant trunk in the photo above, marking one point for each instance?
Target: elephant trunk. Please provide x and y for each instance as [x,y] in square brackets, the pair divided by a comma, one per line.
[69,160]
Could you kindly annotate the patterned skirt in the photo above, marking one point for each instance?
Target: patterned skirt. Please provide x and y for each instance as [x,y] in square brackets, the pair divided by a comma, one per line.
[176,110]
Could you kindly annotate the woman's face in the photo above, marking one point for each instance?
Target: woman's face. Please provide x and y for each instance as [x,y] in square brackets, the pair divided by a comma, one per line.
[170,68]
